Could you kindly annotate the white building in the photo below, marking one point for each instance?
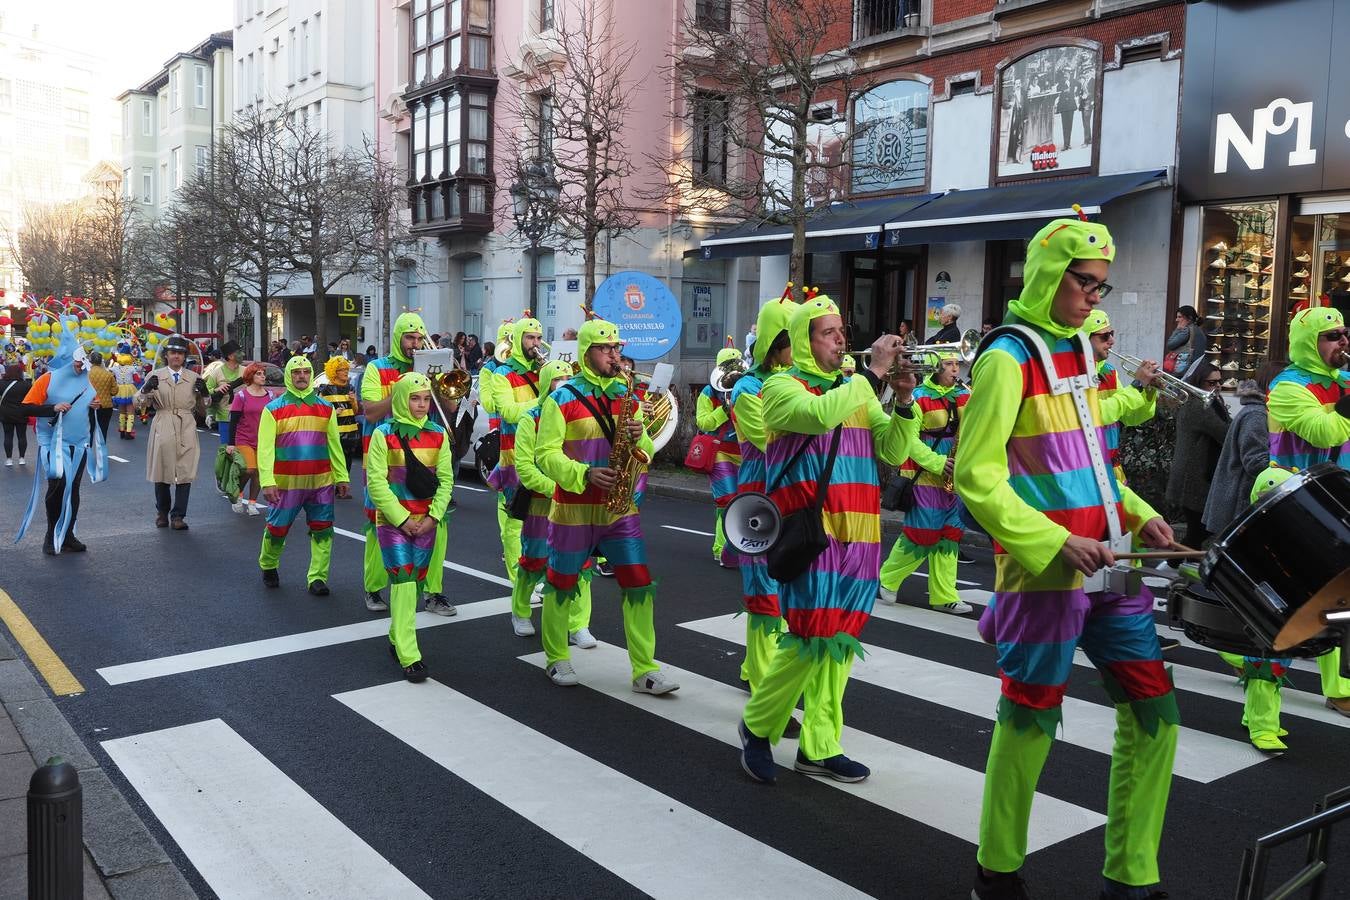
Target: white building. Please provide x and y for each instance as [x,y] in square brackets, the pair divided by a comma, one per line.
[316,57]
[56,124]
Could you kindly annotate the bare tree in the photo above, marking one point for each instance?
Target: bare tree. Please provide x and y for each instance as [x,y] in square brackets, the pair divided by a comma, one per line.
[765,97]
[46,246]
[394,237]
[575,113]
[321,200]
[112,245]
[172,259]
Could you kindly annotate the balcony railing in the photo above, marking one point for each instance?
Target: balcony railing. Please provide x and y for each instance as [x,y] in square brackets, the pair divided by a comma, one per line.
[876,17]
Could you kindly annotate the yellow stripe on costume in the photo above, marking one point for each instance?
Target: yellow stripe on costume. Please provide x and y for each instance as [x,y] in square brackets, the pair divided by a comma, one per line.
[1048,414]
[305,423]
[859,527]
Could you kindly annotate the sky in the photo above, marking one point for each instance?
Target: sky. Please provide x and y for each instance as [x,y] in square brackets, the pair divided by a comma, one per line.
[134,37]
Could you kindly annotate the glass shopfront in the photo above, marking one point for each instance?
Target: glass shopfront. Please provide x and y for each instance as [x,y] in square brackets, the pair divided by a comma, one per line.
[1239,287]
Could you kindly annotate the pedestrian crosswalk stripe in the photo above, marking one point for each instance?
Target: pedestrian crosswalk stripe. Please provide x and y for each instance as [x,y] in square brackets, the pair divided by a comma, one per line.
[926,788]
[1219,685]
[538,778]
[246,826]
[288,643]
[688,530]
[453,566]
[1201,756]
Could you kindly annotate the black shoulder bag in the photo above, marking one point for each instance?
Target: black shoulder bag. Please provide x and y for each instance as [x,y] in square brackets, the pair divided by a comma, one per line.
[802,538]
[420,481]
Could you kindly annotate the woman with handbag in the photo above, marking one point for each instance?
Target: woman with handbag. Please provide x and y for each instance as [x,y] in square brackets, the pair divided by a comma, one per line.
[712,415]
[932,527]
[825,433]
[1186,343]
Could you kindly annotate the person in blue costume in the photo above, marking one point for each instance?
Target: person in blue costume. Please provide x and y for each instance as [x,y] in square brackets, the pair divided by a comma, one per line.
[61,401]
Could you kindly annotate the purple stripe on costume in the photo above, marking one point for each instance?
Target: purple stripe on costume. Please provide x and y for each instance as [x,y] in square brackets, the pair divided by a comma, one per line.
[1036,617]
[586,449]
[301,438]
[855,442]
[1045,454]
[930,497]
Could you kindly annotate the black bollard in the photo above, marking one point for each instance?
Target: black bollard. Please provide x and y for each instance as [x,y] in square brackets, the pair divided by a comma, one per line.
[55,833]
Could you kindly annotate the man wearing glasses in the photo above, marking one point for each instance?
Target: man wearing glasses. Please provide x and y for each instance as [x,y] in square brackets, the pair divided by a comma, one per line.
[1040,482]
[1309,421]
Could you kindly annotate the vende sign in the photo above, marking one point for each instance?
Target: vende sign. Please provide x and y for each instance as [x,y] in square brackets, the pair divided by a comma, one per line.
[1263,109]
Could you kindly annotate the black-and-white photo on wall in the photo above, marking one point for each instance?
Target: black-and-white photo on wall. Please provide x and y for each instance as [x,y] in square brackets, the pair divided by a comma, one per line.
[1047,112]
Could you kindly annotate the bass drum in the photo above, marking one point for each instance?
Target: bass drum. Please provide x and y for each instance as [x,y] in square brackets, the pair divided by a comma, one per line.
[1208,621]
[1285,561]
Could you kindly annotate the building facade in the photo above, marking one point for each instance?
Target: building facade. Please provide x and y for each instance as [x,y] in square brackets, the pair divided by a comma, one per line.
[979,121]
[317,59]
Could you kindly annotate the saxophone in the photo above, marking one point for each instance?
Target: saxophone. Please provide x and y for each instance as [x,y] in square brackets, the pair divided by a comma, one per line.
[949,479]
[626,458]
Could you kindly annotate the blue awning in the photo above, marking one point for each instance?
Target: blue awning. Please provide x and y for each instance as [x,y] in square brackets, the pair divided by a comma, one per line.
[1012,211]
[833,228]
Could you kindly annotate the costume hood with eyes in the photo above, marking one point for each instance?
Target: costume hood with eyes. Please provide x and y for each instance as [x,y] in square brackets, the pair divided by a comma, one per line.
[406,322]
[527,325]
[774,317]
[404,422]
[799,329]
[1049,254]
[1304,331]
[597,331]
[298,362]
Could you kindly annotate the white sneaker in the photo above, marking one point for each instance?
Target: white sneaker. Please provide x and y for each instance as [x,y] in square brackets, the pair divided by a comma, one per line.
[9,463]
[582,638]
[538,590]
[956,607]
[522,626]
[436,603]
[886,596]
[252,508]
[22,461]
[654,682]
[238,506]
[561,673]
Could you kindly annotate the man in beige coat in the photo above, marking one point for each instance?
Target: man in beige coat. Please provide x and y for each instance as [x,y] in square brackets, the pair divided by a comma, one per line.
[177,395]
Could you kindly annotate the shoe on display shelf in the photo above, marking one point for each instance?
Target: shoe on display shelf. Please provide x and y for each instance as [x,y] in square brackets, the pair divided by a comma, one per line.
[1220,246]
[1303,273]
[1252,267]
[1229,367]
[1229,385]
[1219,263]
[1299,291]
[1304,257]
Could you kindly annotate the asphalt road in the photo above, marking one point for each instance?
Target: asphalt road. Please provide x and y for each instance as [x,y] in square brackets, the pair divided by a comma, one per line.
[308,762]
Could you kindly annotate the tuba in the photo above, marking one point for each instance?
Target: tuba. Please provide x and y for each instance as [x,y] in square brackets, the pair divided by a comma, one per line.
[502,352]
[725,376]
[626,458]
[450,386]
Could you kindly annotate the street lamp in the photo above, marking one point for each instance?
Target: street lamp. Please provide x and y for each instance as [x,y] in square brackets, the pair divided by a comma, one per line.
[534,198]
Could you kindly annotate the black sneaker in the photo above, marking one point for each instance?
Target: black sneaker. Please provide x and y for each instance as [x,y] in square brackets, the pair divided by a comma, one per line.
[999,886]
[793,729]
[271,578]
[416,672]
[839,767]
[1168,643]
[48,547]
[72,545]
[318,587]
[757,756]
[963,557]
[604,568]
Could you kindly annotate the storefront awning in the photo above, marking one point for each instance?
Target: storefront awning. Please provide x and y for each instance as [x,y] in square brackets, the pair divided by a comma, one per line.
[833,228]
[1011,212]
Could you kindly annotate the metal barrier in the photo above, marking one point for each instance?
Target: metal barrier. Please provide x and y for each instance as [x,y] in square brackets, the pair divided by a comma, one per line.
[1333,808]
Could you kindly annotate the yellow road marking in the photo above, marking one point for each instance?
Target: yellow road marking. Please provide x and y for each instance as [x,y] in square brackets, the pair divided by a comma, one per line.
[61,680]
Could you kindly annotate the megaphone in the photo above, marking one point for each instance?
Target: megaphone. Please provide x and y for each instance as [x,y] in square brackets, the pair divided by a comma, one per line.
[752,523]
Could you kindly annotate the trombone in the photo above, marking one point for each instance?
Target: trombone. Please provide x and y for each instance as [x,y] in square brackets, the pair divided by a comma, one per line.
[1168,385]
[924,359]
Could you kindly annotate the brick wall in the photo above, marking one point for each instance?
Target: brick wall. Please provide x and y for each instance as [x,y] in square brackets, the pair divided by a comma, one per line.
[951,10]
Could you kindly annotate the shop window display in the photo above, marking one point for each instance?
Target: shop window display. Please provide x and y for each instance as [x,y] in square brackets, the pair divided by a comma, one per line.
[1239,287]
[1320,248]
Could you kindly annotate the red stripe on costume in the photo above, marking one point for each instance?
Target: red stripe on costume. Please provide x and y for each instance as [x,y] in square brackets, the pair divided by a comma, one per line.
[825,620]
[1142,678]
[302,466]
[1066,364]
[1033,696]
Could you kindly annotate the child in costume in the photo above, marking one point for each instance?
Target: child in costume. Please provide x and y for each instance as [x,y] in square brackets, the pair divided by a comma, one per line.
[810,412]
[932,528]
[1040,482]
[340,394]
[534,529]
[301,465]
[1308,414]
[515,391]
[712,415]
[128,375]
[577,425]
[410,471]
[772,351]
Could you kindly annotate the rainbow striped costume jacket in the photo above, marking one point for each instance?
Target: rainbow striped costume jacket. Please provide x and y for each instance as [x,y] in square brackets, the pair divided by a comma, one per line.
[935,520]
[406,559]
[1120,406]
[299,443]
[1304,427]
[747,413]
[515,391]
[713,416]
[827,607]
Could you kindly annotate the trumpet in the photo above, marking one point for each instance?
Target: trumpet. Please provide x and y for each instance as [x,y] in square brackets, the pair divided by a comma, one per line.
[1168,385]
[924,358]
[542,351]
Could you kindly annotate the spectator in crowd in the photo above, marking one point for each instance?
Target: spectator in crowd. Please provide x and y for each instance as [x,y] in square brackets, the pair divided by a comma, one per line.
[949,333]
[988,326]
[13,387]
[906,334]
[278,354]
[1201,430]
[473,353]
[569,334]
[1187,340]
[750,338]
[308,345]
[457,348]
[104,384]
[297,349]
[436,341]
[370,352]
[344,350]
[245,413]
[488,350]
[1245,453]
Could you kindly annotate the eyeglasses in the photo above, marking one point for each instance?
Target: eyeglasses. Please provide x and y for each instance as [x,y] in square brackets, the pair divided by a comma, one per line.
[1090,285]
[1332,337]
[1104,335]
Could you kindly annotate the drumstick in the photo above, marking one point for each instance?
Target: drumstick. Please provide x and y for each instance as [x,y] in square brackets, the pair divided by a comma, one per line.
[1162,554]
[1176,546]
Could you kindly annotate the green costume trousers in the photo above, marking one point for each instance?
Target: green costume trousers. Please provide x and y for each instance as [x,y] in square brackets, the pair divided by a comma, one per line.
[1333,685]
[1141,778]
[403,604]
[719,535]
[760,647]
[320,554]
[904,558]
[1261,706]
[578,612]
[376,576]
[639,628]
[510,531]
[790,676]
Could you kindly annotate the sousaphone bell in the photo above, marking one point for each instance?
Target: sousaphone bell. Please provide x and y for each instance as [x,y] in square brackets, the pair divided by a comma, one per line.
[752,523]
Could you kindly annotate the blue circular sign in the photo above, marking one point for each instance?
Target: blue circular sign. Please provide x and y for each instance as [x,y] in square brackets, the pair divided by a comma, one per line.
[647,313]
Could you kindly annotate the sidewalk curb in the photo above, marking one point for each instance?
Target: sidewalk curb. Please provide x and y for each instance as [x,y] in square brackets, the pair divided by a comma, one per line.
[890,521]
[128,857]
